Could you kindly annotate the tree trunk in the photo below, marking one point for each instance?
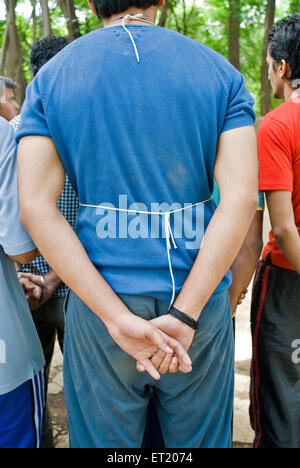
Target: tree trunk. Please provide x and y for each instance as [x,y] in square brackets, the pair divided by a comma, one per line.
[69,12]
[172,10]
[33,15]
[164,14]
[234,33]
[185,27]
[11,59]
[46,21]
[4,47]
[265,94]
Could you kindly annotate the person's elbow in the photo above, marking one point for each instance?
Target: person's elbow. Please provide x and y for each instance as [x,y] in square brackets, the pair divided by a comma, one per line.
[26,257]
[281,233]
[30,211]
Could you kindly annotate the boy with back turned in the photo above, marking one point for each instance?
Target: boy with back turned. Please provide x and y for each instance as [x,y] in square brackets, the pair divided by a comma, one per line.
[145,134]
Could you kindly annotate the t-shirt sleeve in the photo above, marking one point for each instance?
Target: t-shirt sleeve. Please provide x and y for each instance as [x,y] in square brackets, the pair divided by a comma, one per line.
[240,111]
[13,237]
[33,116]
[275,156]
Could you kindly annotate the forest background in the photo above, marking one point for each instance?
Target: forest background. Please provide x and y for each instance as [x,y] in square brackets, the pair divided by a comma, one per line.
[235,28]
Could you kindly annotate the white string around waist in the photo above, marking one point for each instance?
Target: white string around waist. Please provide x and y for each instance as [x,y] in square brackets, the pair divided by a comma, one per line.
[168,230]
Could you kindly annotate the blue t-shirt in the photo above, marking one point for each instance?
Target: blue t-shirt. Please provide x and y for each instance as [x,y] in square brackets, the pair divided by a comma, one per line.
[21,354]
[139,136]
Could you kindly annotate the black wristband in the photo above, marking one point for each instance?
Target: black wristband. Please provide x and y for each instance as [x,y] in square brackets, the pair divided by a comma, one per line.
[184,318]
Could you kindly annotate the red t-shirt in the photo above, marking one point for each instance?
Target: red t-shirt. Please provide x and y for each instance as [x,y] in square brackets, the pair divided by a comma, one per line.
[279,158]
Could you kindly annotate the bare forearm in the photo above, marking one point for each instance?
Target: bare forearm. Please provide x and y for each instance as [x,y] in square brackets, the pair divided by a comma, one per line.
[223,241]
[242,271]
[65,254]
[246,262]
[288,241]
[285,231]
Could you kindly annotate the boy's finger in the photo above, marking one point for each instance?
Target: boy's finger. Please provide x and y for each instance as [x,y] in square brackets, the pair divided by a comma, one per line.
[146,363]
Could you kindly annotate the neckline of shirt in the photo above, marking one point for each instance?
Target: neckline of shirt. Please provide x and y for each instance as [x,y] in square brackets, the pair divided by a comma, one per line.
[135,26]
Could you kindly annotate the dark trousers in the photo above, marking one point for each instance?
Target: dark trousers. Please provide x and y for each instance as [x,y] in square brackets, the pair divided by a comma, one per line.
[275,373]
[50,323]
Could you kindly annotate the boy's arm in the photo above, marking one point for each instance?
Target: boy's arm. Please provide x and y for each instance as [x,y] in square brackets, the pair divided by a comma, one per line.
[63,251]
[236,173]
[246,261]
[283,224]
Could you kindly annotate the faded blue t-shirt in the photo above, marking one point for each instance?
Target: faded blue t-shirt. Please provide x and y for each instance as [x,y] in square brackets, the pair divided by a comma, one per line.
[139,136]
[21,354]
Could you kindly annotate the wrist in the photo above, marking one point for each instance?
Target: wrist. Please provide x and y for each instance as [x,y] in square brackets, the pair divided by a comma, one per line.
[186,319]
[48,285]
[52,282]
[184,328]
[115,321]
[191,309]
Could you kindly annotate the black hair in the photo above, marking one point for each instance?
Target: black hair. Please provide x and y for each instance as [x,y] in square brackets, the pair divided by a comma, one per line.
[44,50]
[107,8]
[8,82]
[284,44]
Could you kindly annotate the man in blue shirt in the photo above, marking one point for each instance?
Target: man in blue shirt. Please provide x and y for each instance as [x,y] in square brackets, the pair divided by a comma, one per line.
[153,116]
[21,355]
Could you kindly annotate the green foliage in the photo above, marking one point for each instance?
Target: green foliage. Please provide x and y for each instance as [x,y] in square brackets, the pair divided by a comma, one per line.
[87,21]
[203,20]
[2,29]
[294,7]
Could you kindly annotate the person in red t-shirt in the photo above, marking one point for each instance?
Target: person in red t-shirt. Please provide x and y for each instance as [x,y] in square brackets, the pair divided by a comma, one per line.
[275,314]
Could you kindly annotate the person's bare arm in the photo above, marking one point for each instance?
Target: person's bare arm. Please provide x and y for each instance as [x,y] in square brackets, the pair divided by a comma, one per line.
[63,251]
[236,173]
[25,258]
[283,224]
[246,261]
